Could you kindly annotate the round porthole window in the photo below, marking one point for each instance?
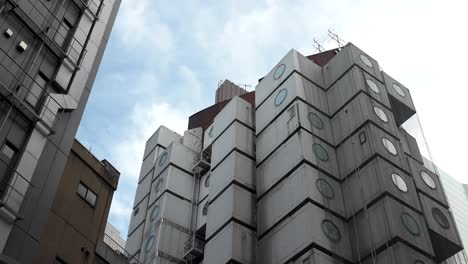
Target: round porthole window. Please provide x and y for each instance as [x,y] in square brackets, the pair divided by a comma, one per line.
[159,184]
[210,132]
[371,84]
[389,146]
[149,243]
[399,90]
[207,181]
[280,97]
[380,114]
[320,152]
[399,182]
[410,224]
[366,60]
[428,180]
[440,218]
[205,208]
[331,231]
[279,71]
[315,120]
[154,212]
[162,159]
[325,189]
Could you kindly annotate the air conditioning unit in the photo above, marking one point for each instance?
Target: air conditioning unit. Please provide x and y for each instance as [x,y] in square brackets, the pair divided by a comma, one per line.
[22,46]
[8,33]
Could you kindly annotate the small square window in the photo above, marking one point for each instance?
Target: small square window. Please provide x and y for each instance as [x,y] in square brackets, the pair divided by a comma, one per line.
[91,198]
[292,112]
[362,137]
[8,150]
[82,190]
[87,194]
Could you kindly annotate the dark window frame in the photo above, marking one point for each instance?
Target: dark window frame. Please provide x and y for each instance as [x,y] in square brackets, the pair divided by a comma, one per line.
[86,194]
[39,101]
[66,39]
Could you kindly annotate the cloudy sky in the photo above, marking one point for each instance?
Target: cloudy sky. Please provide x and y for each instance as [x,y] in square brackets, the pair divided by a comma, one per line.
[165,59]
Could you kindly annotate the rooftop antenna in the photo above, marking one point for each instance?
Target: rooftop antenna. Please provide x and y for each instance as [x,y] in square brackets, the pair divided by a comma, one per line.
[245,86]
[336,38]
[318,46]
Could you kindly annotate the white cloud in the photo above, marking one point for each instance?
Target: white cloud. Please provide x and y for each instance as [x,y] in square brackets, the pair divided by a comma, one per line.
[145,120]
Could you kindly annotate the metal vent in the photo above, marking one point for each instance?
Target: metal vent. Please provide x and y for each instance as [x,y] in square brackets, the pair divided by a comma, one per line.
[8,33]
[22,46]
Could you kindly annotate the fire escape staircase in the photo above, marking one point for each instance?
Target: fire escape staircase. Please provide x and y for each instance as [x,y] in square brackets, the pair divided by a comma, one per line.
[195,245]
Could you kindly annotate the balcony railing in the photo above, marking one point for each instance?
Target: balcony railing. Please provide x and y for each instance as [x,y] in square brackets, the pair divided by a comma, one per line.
[13,189]
[46,107]
[74,48]
[194,248]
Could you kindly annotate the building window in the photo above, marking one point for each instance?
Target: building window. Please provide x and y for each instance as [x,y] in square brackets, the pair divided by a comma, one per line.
[279,71]
[292,112]
[325,189]
[362,137]
[63,33]
[9,150]
[419,262]
[315,120]
[135,212]
[207,181]
[371,84]
[331,231]
[428,180]
[389,146]
[163,159]
[154,212]
[380,114]
[210,132]
[36,91]
[320,152]
[149,243]
[88,195]
[159,184]
[399,90]
[440,218]
[399,182]
[410,224]
[280,97]
[366,61]
[306,261]
[205,208]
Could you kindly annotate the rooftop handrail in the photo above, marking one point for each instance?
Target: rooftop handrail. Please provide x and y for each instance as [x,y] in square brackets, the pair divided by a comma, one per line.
[109,241]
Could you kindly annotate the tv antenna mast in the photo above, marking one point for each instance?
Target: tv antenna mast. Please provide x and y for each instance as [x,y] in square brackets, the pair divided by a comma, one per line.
[335,37]
[318,46]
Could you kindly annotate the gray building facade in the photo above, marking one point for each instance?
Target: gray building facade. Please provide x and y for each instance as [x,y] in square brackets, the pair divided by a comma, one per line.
[50,51]
[317,168]
[457,195]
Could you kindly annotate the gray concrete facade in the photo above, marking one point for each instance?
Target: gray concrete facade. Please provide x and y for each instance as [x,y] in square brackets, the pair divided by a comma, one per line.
[320,170]
[50,52]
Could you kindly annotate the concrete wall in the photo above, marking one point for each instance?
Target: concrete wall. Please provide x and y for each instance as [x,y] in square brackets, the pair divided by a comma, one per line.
[44,155]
